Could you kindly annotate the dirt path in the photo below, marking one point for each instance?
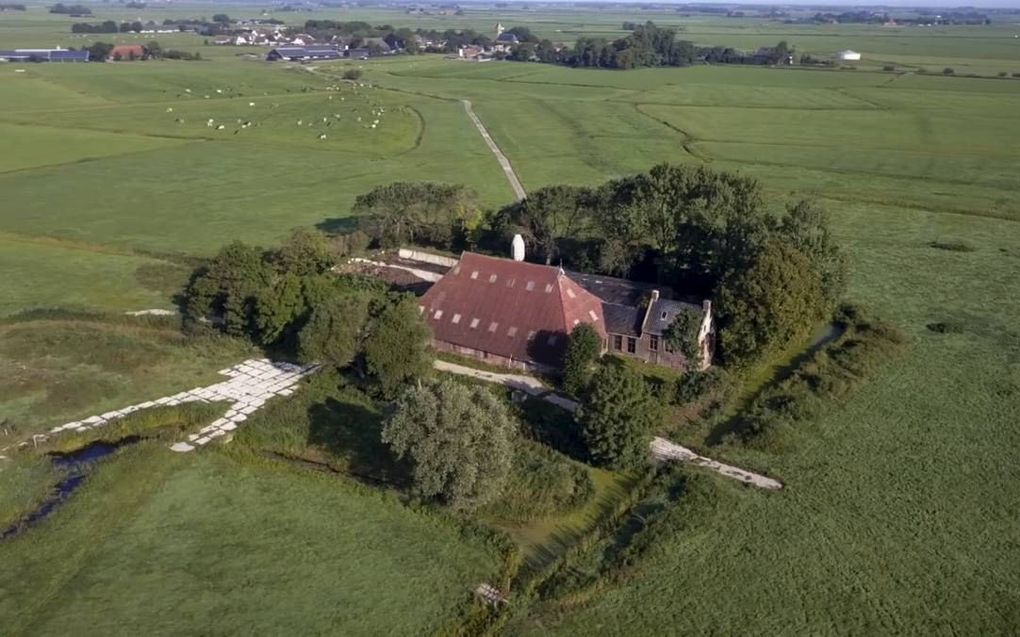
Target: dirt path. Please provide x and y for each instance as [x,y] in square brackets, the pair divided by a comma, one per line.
[504,163]
[662,449]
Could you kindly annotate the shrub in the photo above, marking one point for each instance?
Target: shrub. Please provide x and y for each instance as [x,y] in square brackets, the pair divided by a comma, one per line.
[948,71]
[352,74]
[889,67]
[617,417]
[952,246]
[541,483]
[582,351]
[946,327]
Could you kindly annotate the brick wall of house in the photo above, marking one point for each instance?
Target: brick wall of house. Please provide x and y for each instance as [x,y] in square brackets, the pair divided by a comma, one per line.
[643,350]
[489,358]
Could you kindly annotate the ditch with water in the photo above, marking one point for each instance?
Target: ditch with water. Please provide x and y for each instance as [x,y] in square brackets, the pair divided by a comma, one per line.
[75,465]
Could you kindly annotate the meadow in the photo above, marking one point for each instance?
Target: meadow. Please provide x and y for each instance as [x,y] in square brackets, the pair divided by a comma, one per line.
[901,502]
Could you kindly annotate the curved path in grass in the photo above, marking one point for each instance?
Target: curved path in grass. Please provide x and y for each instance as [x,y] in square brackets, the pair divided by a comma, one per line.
[504,163]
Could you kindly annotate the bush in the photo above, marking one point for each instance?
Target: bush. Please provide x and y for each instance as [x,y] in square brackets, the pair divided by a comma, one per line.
[582,351]
[352,74]
[889,68]
[617,418]
[695,385]
[541,483]
[946,327]
[953,246]
[948,71]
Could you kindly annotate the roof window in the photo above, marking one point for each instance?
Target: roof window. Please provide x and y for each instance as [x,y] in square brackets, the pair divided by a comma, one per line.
[492,278]
[474,323]
[593,315]
[493,326]
[530,286]
[455,319]
[439,315]
[512,332]
[571,294]
[474,275]
[548,288]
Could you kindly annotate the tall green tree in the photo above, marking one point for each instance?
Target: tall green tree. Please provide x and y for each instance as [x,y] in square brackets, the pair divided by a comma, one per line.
[397,347]
[617,418]
[333,333]
[806,227]
[777,298]
[306,251]
[458,439]
[583,349]
[547,217]
[278,308]
[417,212]
[226,289]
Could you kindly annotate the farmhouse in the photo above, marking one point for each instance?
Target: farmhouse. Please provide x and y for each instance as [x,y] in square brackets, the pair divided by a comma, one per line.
[44,55]
[517,314]
[848,56]
[124,52]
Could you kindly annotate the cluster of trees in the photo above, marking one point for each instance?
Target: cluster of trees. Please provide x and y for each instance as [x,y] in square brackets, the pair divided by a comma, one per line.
[702,232]
[70,9]
[10,6]
[109,26]
[647,45]
[422,213]
[287,300]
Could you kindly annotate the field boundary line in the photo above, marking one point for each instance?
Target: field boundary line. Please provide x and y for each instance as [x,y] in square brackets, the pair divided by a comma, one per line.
[688,141]
[508,169]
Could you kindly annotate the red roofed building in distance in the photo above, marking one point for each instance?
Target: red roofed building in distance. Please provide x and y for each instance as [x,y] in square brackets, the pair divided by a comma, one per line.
[126,52]
[507,312]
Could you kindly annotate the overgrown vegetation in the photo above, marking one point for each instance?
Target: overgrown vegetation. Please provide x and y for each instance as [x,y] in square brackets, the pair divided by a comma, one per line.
[828,377]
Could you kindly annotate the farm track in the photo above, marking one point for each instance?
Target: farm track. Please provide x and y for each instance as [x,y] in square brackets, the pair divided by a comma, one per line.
[508,169]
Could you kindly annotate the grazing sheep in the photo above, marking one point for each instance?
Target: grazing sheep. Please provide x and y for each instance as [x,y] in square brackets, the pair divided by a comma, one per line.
[220,127]
[322,136]
[169,109]
[209,123]
[251,103]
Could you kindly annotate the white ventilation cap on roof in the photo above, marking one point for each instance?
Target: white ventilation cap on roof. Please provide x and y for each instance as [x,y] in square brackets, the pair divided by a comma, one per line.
[517,247]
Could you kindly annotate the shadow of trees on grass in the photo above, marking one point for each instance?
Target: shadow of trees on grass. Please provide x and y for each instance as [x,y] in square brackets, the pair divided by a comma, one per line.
[352,433]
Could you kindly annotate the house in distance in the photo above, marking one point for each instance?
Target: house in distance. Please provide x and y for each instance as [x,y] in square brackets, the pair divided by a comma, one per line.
[517,314]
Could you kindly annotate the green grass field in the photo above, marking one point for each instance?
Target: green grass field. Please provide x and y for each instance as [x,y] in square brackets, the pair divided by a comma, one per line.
[901,507]
[206,543]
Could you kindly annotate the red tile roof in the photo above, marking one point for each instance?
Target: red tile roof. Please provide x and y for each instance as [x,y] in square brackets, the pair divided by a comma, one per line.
[515,309]
[125,51]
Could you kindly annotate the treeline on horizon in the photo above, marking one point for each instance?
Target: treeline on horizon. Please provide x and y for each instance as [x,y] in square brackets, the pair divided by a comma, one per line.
[648,45]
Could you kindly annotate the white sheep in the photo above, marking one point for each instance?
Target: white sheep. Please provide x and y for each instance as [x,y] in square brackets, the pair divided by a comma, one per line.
[322,136]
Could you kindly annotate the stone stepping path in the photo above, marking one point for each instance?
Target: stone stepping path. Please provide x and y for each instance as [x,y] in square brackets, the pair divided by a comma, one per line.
[251,384]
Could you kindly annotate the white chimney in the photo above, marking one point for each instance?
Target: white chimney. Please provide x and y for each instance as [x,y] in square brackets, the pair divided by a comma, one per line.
[517,248]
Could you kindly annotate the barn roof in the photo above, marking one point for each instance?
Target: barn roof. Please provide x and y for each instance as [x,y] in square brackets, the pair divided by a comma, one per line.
[127,50]
[518,310]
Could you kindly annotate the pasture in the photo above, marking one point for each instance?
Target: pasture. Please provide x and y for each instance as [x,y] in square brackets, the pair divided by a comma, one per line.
[901,507]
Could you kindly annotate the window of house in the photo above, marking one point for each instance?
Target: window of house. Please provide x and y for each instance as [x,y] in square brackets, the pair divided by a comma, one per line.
[571,294]
[593,315]
[548,288]
[474,275]
[617,342]
[493,326]
[510,282]
[439,315]
[631,345]
[455,319]
[512,332]
[474,323]
[530,286]
[653,343]
[492,278]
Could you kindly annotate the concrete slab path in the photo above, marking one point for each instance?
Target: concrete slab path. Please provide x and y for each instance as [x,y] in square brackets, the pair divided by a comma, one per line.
[504,163]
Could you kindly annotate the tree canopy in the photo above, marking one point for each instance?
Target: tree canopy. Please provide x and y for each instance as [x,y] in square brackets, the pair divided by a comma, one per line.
[417,213]
[617,418]
[458,439]
[583,349]
[397,347]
